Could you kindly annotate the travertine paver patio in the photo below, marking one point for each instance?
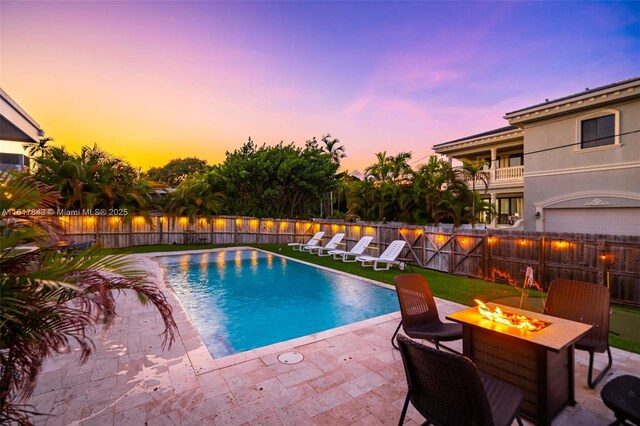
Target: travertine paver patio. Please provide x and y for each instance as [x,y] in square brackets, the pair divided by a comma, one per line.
[350,376]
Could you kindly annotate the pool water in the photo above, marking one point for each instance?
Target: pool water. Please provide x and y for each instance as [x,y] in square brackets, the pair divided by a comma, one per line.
[244,299]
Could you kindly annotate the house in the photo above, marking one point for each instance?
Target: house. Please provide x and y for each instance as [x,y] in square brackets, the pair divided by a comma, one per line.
[566,165]
[502,152]
[16,129]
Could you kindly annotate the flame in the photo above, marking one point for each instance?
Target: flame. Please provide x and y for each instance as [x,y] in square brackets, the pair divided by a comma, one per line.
[512,320]
[497,274]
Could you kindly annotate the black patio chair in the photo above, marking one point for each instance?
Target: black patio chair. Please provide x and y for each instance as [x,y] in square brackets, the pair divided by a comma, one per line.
[420,319]
[447,389]
[622,396]
[587,303]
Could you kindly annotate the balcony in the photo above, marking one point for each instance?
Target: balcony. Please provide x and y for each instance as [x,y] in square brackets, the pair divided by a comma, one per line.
[510,174]
[504,176]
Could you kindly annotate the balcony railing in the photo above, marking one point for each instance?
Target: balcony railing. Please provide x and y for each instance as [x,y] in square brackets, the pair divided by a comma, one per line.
[507,173]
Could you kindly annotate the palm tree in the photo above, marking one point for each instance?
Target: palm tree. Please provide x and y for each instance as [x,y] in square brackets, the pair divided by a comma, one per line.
[399,168]
[92,179]
[336,153]
[197,196]
[38,148]
[331,147]
[475,172]
[48,300]
[380,169]
[431,182]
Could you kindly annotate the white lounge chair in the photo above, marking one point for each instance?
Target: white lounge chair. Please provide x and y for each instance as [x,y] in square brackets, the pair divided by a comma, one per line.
[518,224]
[388,257]
[332,244]
[312,242]
[357,250]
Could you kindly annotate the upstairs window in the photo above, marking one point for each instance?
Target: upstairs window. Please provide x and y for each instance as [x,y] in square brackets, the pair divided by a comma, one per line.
[516,160]
[598,131]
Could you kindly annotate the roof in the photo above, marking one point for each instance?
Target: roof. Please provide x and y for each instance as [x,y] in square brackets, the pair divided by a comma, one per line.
[584,92]
[479,135]
[11,122]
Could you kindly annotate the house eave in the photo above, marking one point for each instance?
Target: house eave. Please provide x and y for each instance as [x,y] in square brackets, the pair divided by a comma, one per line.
[587,100]
[487,141]
[19,119]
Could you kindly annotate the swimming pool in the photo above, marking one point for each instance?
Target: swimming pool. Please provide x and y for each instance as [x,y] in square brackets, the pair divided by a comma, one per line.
[244,299]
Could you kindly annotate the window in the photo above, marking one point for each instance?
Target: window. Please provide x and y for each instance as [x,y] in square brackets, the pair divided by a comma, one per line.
[516,160]
[10,158]
[509,208]
[598,131]
[487,163]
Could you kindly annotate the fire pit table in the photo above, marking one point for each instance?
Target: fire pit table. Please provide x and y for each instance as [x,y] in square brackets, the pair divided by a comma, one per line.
[540,363]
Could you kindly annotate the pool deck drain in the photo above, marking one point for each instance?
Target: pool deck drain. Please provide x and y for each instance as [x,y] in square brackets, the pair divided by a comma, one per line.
[290,357]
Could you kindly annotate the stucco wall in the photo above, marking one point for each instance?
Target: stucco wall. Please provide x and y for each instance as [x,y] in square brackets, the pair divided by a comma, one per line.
[611,170]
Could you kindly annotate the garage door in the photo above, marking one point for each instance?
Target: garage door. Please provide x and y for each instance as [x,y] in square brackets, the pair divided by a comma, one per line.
[621,221]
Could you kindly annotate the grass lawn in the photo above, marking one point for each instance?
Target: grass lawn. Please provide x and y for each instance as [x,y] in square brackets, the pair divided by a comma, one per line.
[458,289]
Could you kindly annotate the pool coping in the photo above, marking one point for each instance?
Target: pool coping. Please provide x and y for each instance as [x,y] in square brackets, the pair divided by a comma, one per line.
[201,358]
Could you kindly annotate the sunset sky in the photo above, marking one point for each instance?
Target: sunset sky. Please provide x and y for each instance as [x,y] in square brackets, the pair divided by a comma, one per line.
[151,81]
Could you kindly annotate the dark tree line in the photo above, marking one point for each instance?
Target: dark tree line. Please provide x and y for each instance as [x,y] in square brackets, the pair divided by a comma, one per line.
[278,181]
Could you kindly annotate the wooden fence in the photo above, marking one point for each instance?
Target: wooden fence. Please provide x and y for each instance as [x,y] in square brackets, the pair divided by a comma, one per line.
[493,254]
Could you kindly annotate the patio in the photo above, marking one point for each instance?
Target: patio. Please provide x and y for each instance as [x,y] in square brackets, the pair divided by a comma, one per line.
[349,376]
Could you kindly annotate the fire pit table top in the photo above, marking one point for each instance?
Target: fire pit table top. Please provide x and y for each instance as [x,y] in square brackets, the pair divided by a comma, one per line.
[555,336]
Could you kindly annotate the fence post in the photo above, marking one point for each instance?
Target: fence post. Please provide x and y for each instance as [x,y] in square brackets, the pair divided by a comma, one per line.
[130,233]
[485,255]
[424,247]
[541,259]
[258,231]
[602,261]
[235,230]
[452,256]
[99,221]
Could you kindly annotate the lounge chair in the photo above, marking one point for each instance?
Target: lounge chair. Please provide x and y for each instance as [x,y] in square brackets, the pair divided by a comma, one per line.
[331,245]
[518,224]
[447,389]
[588,303]
[351,255]
[387,258]
[420,319]
[312,242]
